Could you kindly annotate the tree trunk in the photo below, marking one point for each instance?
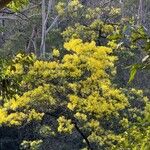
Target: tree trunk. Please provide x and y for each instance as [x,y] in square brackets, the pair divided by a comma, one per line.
[122,8]
[140,13]
[43,38]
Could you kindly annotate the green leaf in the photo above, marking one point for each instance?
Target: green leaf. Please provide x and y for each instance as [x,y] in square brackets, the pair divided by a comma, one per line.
[114,36]
[133,72]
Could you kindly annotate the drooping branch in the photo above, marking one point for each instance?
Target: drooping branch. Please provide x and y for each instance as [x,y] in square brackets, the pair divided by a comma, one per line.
[74,122]
[83,136]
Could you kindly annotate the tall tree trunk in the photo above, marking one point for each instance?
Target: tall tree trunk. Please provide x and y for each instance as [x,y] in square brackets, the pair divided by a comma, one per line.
[140,13]
[2,34]
[122,8]
[43,38]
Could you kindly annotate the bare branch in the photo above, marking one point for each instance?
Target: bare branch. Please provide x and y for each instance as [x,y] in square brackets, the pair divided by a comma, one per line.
[55,20]
[8,17]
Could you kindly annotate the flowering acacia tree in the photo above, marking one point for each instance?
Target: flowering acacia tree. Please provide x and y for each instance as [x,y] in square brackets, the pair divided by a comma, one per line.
[75,90]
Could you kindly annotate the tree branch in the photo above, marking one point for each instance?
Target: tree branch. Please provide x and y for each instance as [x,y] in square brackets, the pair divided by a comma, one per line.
[74,122]
[83,136]
[8,17]
[56,19]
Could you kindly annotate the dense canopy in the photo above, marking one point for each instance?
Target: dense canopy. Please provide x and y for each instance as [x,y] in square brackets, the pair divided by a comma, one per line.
[74,75]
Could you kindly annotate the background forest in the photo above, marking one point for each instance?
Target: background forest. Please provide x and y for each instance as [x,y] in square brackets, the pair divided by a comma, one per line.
[74,75]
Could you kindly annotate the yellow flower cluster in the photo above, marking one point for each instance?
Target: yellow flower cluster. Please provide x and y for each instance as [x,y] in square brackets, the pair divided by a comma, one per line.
[79,31]
[11,119]
[17,118]
[33,115]
[16,69]
[32,144]
[32,103]
[72,7]
[65,125]
[93,124]
[81,116]
[90,32]
[60,8]
[45,70]
[56,53]
[3,114]
[115,11]
[92,13]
